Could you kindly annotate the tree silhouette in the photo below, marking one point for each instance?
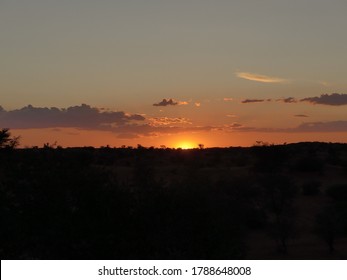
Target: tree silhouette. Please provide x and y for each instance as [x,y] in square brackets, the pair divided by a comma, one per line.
[328,227]
[6,141]
[279,194]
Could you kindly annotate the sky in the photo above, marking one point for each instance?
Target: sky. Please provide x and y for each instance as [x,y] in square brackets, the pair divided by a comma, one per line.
[174,73]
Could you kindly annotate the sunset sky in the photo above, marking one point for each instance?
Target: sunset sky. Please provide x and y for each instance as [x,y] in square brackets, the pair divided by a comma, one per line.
[174,73]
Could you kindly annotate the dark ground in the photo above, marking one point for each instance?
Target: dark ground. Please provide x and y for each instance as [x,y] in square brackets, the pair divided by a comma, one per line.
[264,202]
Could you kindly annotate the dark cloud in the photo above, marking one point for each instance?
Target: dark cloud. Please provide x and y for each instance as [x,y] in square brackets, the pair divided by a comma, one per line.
[333,126]
[83,117]
[166,102]
[252,100]
[288,100]
[235,125]
[334,99]
[301,116]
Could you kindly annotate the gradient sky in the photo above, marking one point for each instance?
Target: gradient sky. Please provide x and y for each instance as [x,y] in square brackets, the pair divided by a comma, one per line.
[175,73]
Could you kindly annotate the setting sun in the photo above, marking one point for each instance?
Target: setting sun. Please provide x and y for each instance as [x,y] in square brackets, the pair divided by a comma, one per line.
[186,145]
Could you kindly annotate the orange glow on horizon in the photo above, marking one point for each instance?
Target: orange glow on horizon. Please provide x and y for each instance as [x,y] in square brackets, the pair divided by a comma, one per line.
[185,145]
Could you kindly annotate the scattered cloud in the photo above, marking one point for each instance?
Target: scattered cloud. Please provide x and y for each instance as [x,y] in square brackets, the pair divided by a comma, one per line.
[334,99]
[331,126]
[252,100]
[170,102]
[259,78]
[301,116]
[160,121]
[148,129]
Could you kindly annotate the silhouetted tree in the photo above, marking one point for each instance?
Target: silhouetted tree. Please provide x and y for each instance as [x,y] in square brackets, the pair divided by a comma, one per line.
[6,141]
[279,193]
[328,227]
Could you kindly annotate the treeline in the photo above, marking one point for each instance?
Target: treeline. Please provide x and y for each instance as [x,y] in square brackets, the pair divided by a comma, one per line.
[86,203]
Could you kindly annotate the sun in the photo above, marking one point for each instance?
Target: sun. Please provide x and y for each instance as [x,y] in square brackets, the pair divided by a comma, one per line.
[185,145]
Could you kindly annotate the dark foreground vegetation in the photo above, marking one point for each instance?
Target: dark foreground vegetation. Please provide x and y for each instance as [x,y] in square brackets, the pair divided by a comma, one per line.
[263,202]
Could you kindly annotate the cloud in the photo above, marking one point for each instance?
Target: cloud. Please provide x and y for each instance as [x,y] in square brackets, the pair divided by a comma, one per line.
[161,121]
[332,126]
[168,102]
[259,78]
[234,125]
[227,99]
[301,116]
[197,104]
[252,100]
[142,130]
[334,99]
[182,103]
[83,117]
[288,100]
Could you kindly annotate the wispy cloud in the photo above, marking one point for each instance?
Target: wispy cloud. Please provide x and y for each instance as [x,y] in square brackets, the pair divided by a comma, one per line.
[252,100]
[260,78]
[227,99]
[301,116]
[334,99]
